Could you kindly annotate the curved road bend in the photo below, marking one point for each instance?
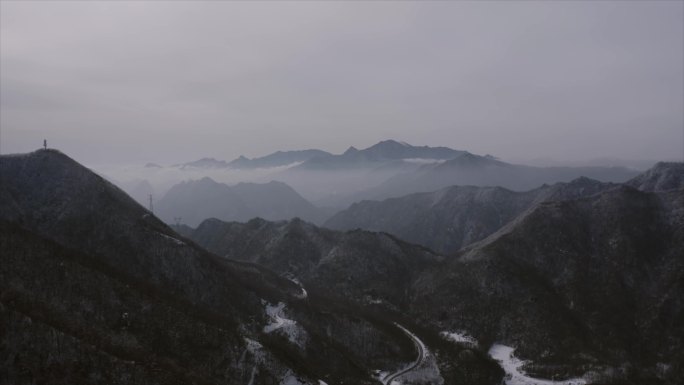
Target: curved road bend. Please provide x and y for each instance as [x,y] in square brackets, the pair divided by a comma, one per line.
[420,347]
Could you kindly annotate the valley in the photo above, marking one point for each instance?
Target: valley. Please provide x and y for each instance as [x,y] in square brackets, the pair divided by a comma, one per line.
[311,303]
[341,192]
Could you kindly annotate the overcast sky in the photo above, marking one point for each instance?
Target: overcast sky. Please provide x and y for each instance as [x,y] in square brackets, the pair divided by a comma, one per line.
[139,81]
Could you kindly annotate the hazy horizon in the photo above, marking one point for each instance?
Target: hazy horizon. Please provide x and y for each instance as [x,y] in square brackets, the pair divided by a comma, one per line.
[171,82]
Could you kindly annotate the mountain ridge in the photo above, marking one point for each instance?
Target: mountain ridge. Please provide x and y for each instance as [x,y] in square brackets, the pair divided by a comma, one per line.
[453,217]
[205,198]
[112,294]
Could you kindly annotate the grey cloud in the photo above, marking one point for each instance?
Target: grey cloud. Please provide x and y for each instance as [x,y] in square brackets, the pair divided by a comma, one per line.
[173,81]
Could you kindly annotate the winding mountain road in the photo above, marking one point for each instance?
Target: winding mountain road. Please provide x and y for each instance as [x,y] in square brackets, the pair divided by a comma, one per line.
[420,347]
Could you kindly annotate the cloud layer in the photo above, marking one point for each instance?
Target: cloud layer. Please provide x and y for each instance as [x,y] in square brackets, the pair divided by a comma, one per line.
[174,81]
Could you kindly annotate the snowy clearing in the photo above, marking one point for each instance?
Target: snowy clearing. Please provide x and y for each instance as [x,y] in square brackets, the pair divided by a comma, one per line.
[459,337]
[294,333]
[290,379]
[276,315]
[515,376]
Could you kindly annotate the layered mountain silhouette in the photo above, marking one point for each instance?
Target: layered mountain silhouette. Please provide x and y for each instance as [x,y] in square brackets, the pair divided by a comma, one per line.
[392,169]
[475,170]
[277,159]
[386,169]
[584,280]
[204,163]
[454,217]
[387,150]
[95,289]
[195,201]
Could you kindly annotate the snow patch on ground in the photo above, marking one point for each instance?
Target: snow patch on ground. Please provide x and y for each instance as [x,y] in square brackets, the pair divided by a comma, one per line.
[303,294]
[290,379]
[289,327]
[459,337]
[275,312]
[253,375]
[380,375]
[513,368]
[176,241]
[293,279]
[256,350]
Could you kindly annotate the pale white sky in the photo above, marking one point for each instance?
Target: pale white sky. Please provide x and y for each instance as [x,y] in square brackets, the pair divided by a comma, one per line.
[139,81]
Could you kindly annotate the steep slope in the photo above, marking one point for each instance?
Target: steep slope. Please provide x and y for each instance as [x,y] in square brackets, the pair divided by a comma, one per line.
[583,284]
[139,189]
[353,264]
[453,217]
[94,289]
[195,201]
[73,244]
[661,177]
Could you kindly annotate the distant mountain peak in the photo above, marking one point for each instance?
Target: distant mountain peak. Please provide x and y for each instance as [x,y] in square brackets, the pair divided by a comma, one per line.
[385,151]
[276,159]
[468,159]
[389,144]
[205,198]
[206,163]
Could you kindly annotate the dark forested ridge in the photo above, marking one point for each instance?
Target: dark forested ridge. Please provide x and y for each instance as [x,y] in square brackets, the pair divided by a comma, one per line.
[583,278]
[586,278]
[95,289]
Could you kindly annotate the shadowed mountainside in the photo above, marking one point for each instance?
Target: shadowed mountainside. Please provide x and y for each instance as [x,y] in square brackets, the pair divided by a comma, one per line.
[94,289]
[454,217]
[195,201]
[586,280]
